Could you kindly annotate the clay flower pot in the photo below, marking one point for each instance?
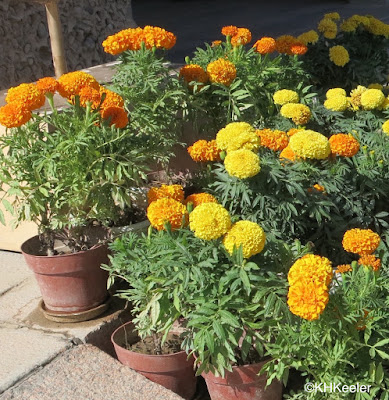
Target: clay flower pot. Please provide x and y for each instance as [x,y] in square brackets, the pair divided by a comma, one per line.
[69,283]
[173,371]
[243,383]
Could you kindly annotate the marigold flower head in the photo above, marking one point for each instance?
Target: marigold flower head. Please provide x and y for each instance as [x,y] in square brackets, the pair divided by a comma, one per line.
[310,144]
[159,38]
[372,99]
[338,103]
[237,135]
[370,260]
[247,234]
[344,145]
[209,221]
[71,83]
[308,299]
[298,48]
[310,37]
[385,127]
[376,27]
[343,268]
[292,131]
[221,71]
[318,188]
[193,73]
[199,198]
[27,95]
[230,30]
[349,25]
[90,95]
[126,39]
[12,115]
[204,151]
[311,267]
[111,98]
[328,27]
[335,92]
[242,37]
[242,163]
[339,56]
[265,45]
[333,16]
[299,113]
[115,115]
[175,192]
[360,241]
[285,96]
[216,43]
[288,154]
[284,43]
[47,85]
[167,210]
[273,139]
[356,94]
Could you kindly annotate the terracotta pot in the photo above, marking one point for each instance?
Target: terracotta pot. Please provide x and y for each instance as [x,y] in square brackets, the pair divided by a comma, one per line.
[243,383]
[69,283]
[173,371]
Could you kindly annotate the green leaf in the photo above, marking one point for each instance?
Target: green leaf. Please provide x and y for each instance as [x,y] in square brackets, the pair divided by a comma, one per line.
[245,279]
[2,220]
[218,328]
[8,206]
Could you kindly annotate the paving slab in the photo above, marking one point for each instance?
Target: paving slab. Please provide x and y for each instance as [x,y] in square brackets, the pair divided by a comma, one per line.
[13,270]
[87,373]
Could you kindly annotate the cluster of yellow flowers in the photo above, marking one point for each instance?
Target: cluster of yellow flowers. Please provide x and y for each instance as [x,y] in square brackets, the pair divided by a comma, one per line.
[132,39]
[368,23]
[327,26]
[309,279]
[339,55]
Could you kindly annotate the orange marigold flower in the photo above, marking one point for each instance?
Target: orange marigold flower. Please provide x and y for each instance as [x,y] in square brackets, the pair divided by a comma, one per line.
[127,39]
[221,71]
[370,260]
[175,192]
[274,140]
[284,43]
[89,95]
[115,115]
[216,43]
[193,72]
[167,210]
[200,198]
[343,268]
[27,95]
[344,145]
[71,83]
[47,85]
[292,131]
[288,154]
[111,98]
[12,115]
[361,241]
[317,187]
[242,37]
[308,299]
[265,45]
[156,37]
[230,30]
[311,267]
[203,151]
[298,48]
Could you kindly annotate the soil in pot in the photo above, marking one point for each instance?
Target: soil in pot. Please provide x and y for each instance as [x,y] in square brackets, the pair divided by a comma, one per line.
[147,346]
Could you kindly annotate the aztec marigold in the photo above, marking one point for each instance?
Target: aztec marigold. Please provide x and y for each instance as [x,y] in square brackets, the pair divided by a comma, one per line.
[372,99]
[300,114]
[242,37]
[230,30]
[310,37]
[242,163]
[237,135]
[221,71]
[285,96]
[284,43]
[115,116]
[193,73]
[344,145]
[328,28]
[204,151]
[159,38]
[265,45]
[385,127]
[338,103]
[12,115]
[247,234]
[360,241]
[110,98]
[199,198]
[370,260]
[47,85]
[71,83]
[90,95]
[175,192]
[310,144]
[288,154]
[339,55]
[335,92]
[343,268]
[167,210]
[298,48]
[355,96]
[209,221]
[273,139]
[26,95]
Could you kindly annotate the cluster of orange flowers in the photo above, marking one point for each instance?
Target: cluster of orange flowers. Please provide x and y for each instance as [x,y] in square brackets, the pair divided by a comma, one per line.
[167,205]
[285,44]
[344,145]
[193,73]
[133,38]
[273,139]
[239,36]
[203,151]
[221,71]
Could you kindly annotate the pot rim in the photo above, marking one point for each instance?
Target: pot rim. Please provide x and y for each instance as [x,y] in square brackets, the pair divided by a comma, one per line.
[136,352]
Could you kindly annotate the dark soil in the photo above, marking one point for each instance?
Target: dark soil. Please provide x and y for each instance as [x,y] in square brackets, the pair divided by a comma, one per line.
[131,216]
[147,346]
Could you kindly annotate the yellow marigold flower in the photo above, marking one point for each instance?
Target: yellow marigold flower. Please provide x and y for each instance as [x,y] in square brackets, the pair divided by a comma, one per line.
[175,192]
[242,37]
[337,103]
[310,144]
[311,267]
[288,154]
[335,92]
[203,151]
[89,95]
[71,83]
[385,127]
[12,115]
[375,86]
[284,96]
[356,94]
[27,95]
[47,85]
[339,56]
[372,98]
[159,38]
[273,139]
[209,221]
[328,27]
[310,37]
[299,113]
[292,131]
[216,43]
[221,71]
[361,241]
[230,30]
[377,27]
[193,73]
[284,43]
[199,198]
[334,16]
[237,135]
[115,115]
[265,45]
[370,260]
[384,105]
[343,268]
[167,210]
[344,145]
[111,98]
[247,234]
[308,299]
[242,163]
[348,25]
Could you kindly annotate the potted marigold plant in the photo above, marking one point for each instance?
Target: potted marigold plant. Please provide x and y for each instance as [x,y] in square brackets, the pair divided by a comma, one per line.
[70,171]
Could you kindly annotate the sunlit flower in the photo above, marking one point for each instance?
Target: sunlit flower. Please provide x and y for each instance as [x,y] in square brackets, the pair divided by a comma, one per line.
[298,49]
[115,116]
[110,98]
[265,45]
[26,95]
[339,56]
[370,260]
[71,83]
[159,38]
[193,73]
[199,198]
[273,139]
[300,114]
[47,85]
[230,30]
[343,268]
[338,103]
[344,145]
[167,210]
[284,43]
[221,71]
[372,98]
[385,127]
[284,96]
[288,154]
[90,95]
[242,163]
[237,135]
[242,37]
[12,115]
[203,151]
[355,95]
[175,192]
[310,144]
[361,241]
[335,92]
